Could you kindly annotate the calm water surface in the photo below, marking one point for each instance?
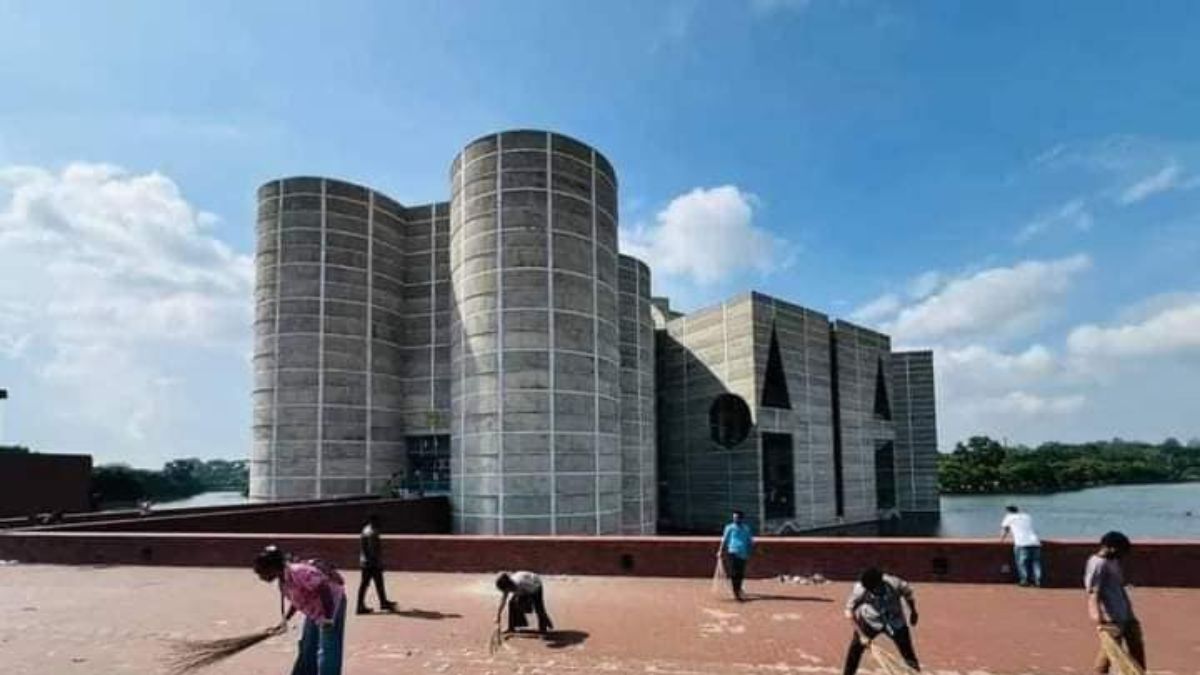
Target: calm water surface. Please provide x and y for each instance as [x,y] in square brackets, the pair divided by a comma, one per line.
[1141,511]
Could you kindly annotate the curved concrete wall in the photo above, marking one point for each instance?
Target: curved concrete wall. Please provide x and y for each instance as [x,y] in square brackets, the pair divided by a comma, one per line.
[534,337]
[639,477]
[329,266]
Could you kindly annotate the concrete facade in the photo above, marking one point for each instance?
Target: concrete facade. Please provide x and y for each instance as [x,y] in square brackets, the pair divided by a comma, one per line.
[499,349]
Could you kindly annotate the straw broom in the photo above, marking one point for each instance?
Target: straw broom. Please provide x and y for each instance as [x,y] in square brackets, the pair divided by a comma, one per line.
[495,641]
[1117,654]
[188,656]
[719,577]
[890,663]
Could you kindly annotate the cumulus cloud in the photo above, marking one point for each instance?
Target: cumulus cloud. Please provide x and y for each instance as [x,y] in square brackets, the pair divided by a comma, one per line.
[999,301]
[1073,215]
[113,283]
[1172,330]
[708,236]
[1163,180]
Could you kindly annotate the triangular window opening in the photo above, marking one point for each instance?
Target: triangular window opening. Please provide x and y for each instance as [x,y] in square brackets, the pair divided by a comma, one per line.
[775,389]
[883,408]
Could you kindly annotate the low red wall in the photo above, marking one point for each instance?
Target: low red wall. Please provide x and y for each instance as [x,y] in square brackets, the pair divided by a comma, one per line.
[962,561]
[36,483]
[429,515]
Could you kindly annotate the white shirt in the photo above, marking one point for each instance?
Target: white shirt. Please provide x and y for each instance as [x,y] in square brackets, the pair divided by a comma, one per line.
[527,583]
[1021,527]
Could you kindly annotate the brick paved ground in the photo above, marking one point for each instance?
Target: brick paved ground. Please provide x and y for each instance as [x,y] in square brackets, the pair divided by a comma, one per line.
[66,620]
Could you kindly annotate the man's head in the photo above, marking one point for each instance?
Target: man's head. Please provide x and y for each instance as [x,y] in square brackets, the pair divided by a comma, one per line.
[738,516]
[268,564]
[871,579]
[1011,508]
[504,583]
[373,519]
[1114,544]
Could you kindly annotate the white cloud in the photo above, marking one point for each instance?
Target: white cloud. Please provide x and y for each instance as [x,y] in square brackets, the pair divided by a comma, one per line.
[1162,181]
[978,368]
[1073,214]
[925,284]
[708,236]
[997,302]
[882,308]
[1169,331]
[113,285]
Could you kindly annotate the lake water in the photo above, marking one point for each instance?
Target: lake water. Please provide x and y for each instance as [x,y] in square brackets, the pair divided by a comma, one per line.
[1140,511]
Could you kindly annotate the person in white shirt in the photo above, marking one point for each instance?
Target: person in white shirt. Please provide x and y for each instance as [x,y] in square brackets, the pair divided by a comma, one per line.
[523,593]
[1027,548]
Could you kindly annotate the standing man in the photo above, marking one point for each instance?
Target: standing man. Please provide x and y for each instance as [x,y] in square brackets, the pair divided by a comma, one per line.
[1027,548]
[1108,603]
[523,593]
[370,560]
[736,543]
[316,590]
[874,607]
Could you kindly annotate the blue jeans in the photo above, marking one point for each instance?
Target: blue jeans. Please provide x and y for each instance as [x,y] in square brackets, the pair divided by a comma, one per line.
[1029,564]
[320,650]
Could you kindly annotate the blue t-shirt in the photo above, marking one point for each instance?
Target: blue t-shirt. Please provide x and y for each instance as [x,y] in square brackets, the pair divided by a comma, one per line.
[737,540]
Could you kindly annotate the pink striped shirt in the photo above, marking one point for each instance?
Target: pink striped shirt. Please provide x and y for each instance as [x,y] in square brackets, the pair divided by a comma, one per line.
[302,583]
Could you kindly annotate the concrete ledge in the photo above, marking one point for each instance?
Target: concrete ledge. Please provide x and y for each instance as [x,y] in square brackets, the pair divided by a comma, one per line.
[1157,563]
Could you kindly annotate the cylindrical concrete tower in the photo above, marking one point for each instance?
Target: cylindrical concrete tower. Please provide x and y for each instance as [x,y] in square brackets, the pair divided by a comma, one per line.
[328,268]
[534,337]
[639,476]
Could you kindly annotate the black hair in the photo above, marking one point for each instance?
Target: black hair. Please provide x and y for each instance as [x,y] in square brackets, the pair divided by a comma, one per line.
[871,578]
[373,518]
[271,557]
[505,582]
[1011,508]
[1116,541]
[738,512]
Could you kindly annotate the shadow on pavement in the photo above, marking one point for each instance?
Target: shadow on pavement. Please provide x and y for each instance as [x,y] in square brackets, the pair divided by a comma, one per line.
[754,597]
[555,639]
[428,614]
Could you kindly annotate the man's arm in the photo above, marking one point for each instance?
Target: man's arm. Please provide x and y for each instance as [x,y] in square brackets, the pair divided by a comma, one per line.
[1004,532]
[500,609]
[327,603]
[724,540]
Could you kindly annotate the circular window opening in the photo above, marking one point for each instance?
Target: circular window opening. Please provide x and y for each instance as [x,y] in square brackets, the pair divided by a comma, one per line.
[728,420]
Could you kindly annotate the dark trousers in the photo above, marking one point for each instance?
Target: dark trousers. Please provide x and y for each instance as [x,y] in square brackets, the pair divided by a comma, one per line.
[521,604]
[370,574]
[735,567]
[903,640]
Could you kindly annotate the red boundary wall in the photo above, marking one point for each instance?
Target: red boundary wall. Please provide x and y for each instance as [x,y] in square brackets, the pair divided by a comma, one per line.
[35,482]
[1157,563]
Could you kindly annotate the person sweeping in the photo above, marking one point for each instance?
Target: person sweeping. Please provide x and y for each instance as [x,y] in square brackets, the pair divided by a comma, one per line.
[874,607]
[737,541]
[523,593]
[315,589]
[1109,606]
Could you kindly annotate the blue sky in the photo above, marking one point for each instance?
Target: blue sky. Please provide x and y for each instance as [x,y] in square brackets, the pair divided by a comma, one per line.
[1016,185]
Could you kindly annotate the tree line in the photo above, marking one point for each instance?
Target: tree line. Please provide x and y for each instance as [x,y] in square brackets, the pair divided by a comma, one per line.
[984,465]
[178,479]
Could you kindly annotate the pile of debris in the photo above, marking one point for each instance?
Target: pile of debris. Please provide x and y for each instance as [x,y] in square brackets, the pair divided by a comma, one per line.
[813,580]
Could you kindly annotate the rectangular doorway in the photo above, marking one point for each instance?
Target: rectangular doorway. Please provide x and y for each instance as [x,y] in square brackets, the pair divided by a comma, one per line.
[779,477]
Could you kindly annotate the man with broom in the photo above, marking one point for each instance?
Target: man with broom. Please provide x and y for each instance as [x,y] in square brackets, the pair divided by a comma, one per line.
[316,590]
[736,543]
[523,593]
[1108,603]
[874,607]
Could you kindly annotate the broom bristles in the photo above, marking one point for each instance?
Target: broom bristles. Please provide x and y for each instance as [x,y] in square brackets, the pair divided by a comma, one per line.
[191,655]
[719,578]
[495,642]
[890,663]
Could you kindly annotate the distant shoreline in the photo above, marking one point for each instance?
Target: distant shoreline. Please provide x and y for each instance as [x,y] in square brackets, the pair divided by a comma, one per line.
[1081,488]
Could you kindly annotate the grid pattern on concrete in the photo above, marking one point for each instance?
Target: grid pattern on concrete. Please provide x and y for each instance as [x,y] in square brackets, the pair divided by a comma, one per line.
[860,352]
[803,339]
[915,417]
[534,337]
[337,329]
[639,475]
[700,356]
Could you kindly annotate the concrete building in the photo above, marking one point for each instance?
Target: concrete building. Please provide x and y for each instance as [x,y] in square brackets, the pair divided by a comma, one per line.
[499,349]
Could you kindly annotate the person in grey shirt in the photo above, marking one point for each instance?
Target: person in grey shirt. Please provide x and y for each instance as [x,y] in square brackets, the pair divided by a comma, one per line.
[370,559]
[874,607]
[1108,602]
